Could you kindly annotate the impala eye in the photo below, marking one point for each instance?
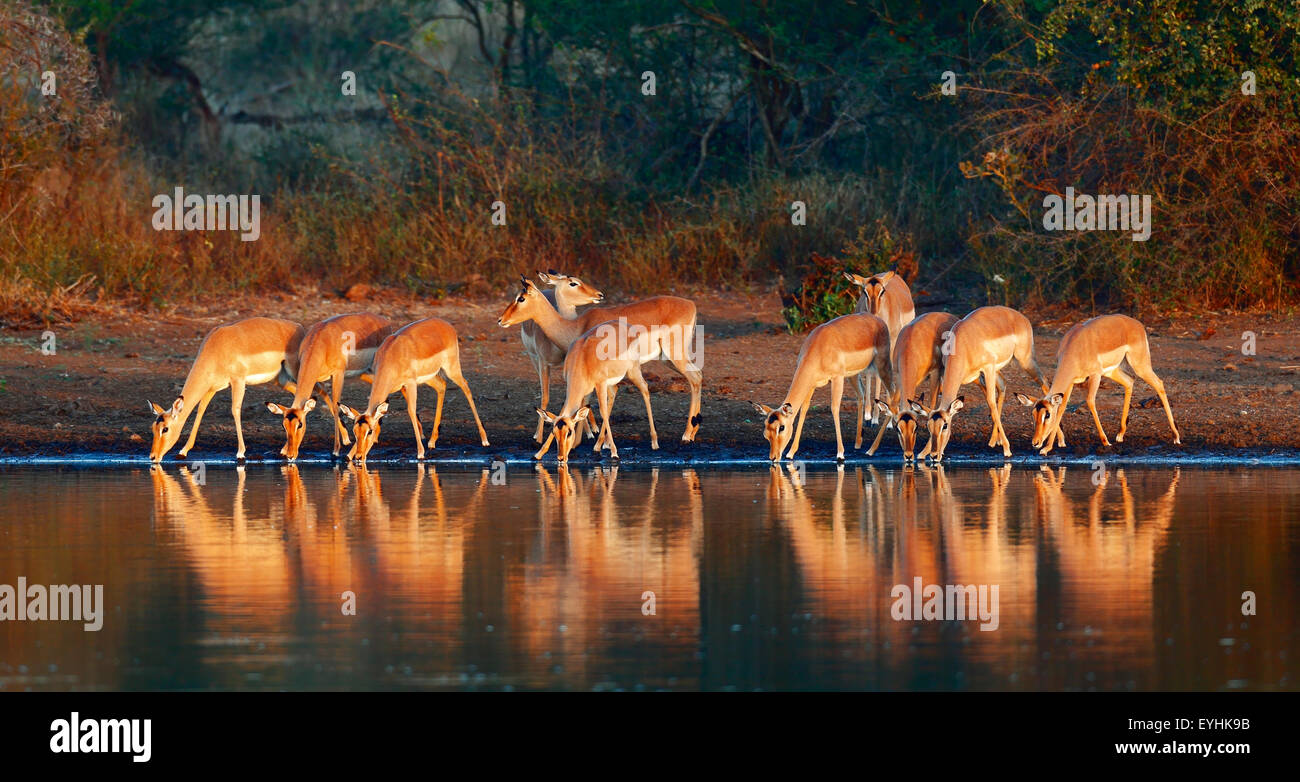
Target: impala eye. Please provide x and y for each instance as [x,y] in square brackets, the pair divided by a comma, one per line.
[573,285]
[164,430]
[782,429]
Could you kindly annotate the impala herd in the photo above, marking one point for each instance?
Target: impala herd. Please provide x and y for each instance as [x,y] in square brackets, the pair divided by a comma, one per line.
[883,346]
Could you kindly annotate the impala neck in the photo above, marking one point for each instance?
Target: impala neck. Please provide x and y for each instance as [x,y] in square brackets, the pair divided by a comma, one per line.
[800,385]
[558,329]
[563,306]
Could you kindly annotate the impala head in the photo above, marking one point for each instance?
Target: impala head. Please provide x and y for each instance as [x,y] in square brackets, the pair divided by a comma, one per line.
[525,305]
[565,429]
[872,287]
[907,420]
[1047,414]
[365,430]
[571,289]
[778,428]
[295,425]
[166,428]
[940,423]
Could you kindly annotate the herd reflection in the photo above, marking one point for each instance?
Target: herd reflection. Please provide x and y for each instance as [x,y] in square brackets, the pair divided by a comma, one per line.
[580,578]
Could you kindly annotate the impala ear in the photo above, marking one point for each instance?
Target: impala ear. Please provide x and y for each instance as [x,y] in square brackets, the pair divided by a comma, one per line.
[274,408]
[957,404]
[1057,399]
[885,277]
[349,412]
[155,409]
[309,405]
[917,407]
[546,415]
[764,409]
[787,409]
[381,411]
[1024,400]
[884,406]
[177,406]
[582,414]
[855,279]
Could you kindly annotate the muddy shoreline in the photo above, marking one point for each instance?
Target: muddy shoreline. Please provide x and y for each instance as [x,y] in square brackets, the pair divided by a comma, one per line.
[86,402]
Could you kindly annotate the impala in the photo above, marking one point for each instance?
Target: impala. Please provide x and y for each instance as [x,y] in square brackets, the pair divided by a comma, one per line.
[982,343]
[917,355]
[669,321]
[246,353]
[335,348]
[887,296]
[566,295]
[424,352]
[1088,352]
[598,361]
[837,349]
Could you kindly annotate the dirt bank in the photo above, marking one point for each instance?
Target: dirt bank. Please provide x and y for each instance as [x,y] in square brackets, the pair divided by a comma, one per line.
[90,395]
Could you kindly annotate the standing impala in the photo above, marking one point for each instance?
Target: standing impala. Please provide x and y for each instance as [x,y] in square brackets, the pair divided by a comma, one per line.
[424,352]
[1090,351]
[837,349]
[983,342]
[248,352]
[917,355]
[566,294]
[670,321]
[598,361]
[887,296]
[335,348]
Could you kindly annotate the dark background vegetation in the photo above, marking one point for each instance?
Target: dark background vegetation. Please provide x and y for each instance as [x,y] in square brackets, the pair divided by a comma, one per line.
[538,103]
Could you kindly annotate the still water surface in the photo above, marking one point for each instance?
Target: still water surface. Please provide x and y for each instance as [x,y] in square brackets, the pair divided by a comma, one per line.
[760,580]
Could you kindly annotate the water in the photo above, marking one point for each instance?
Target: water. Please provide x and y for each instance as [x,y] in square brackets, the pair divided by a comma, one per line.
[1130,579]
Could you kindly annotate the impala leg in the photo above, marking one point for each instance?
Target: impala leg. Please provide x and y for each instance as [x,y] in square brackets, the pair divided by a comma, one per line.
[991,394]
[857,438]
[837,396]
[544,377]
[605,397]
[1141,364]
[863,388]
[695,378]
[336,391]
[1094,382]
[601,441]
[410,390]
[984,386]
[798,430]
[236,408]
[1057,425]
[198,416]
[935,379]
[332,406]
[874,384]
[1002,401]
[439,385]
[454,373]
[546,446]
[1124,380]
[639,382]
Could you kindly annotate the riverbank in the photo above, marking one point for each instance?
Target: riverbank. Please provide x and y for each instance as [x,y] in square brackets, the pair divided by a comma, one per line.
[87,399]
